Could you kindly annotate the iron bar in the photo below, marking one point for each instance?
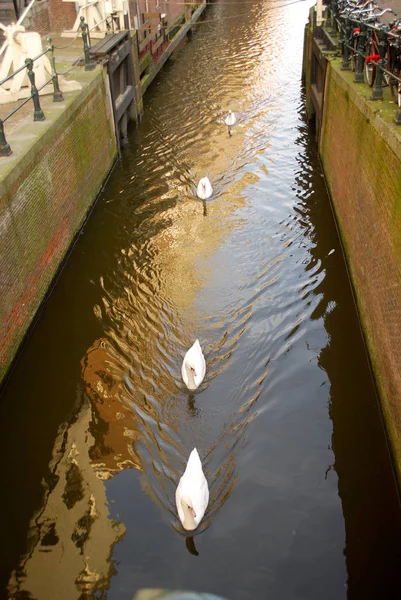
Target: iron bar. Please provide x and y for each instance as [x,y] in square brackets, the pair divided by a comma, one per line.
[5,149]
[87,45]
[16,10]
[38,114]
[377,93]
[57,93]
[360,58]
[22,68]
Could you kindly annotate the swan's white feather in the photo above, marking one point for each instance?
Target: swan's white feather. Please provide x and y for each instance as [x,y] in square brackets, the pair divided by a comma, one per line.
[230,119]
[193,358]
[192,488]
[204,189]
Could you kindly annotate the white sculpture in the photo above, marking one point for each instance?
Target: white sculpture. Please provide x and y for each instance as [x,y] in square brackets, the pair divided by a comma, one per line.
[99,15]
[18,46]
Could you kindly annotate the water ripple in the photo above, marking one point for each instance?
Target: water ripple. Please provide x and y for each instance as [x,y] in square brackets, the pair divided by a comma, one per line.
[242,280]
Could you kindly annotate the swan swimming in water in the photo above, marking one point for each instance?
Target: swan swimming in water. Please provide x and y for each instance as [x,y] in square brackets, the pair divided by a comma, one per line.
[230,119]
[193,367]
[204,189]
[192,493]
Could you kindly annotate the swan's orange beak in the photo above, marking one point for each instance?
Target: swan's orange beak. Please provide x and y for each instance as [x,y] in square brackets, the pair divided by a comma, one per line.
[193,371]
[193,513]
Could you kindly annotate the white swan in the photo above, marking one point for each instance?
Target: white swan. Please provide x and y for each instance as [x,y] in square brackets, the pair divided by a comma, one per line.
[193,367]
[192,493]
[230,119]
[204,189]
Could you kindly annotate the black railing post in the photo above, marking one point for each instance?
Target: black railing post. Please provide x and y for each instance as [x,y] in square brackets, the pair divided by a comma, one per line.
[377,93]
[348,30]
[87,45]
[57,93]
[38,114]
[16,10]
[5,149]
[360,59]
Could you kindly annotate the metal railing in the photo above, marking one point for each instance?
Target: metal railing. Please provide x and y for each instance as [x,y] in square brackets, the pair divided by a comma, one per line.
[355,25]
[38,114]
[87,44]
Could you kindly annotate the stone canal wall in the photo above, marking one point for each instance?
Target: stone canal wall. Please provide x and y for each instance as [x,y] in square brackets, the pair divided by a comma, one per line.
[360,149]
[44,199]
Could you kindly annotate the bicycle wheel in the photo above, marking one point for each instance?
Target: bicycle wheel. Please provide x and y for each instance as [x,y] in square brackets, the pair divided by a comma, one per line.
[370,73]
[353,53]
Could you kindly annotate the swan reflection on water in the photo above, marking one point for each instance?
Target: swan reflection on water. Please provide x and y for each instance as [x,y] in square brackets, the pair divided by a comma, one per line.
[190,544]
[192,408]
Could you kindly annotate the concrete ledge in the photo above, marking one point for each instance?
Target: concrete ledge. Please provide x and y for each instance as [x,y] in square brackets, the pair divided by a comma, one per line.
[31,136]
[380,113]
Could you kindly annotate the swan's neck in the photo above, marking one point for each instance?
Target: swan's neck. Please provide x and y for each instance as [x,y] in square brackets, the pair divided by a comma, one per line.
[191,378]
[189,520]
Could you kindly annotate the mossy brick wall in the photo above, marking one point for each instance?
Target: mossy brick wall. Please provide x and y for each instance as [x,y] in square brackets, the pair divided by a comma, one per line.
[43,205]
[361,153]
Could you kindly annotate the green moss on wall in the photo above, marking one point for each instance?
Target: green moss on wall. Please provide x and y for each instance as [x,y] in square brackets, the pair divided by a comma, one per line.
[361,156]
[45,204]
[145,62]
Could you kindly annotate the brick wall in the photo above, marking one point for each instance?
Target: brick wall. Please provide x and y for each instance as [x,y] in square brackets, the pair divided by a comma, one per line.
[62,15]
[50,16]
[38,18]
[361,155]
[43,205]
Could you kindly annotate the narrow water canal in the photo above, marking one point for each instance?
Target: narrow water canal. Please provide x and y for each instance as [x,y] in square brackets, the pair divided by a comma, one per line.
[95,423]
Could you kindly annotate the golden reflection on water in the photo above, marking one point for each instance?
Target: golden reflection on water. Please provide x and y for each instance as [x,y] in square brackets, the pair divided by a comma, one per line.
[113,425]
[143,345]
[184,248]
[133,411]
[72,534]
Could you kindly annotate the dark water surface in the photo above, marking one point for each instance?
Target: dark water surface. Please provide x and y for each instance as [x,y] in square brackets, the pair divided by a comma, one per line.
[95,423]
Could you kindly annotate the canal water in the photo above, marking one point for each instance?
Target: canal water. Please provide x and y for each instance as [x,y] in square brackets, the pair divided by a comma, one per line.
[96,424]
